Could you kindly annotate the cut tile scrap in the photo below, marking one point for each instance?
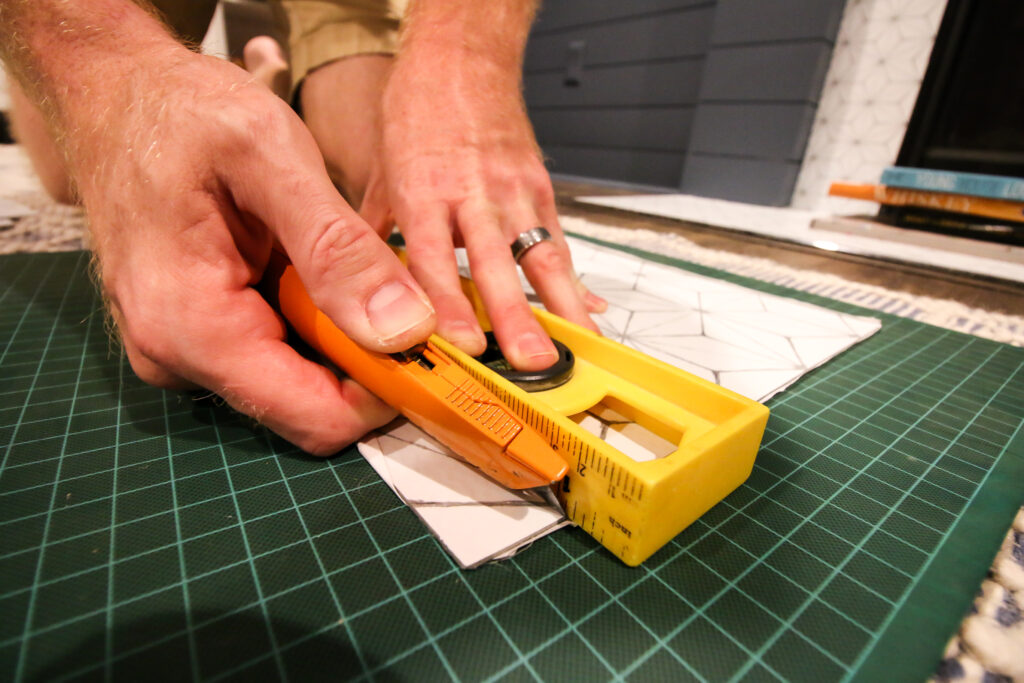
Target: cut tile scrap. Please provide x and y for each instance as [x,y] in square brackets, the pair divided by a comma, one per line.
[475,534]
[639,443]
[422,475]
[407,432]
[475,519]
[421,470]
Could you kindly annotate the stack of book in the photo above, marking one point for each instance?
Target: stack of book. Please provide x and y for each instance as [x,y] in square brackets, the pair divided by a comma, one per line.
[965,204]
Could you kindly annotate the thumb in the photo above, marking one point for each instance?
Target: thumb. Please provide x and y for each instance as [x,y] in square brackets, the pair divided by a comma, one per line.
[349,272]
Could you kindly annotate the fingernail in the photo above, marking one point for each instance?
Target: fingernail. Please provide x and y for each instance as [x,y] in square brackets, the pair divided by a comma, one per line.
[533,346]
[594,303]
[394,309]
[468,338]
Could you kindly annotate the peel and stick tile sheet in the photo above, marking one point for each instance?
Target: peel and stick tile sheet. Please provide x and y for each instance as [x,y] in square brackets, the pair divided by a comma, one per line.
[753,343]
[474,518]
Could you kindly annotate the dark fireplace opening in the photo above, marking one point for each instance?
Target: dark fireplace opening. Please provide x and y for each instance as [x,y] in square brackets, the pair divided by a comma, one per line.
[969,115]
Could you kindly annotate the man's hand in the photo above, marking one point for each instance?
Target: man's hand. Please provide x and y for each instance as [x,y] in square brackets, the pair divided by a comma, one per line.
[459,166]
[189,171]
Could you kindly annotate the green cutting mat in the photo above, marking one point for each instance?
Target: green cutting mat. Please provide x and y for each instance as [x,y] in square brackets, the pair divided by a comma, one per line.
[146,534]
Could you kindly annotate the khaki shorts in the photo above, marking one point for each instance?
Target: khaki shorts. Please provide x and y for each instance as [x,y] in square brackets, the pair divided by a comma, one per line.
[319,31]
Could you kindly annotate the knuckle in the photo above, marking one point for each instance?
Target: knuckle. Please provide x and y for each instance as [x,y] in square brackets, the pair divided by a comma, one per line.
[543,190]
[546,260]
[341,246]
[513,313]
[251,122]
[147,341]
[428,249]
[244,130]
[148,371]
[488,261]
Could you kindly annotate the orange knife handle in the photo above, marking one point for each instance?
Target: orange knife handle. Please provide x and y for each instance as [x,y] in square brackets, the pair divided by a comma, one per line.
[438,396]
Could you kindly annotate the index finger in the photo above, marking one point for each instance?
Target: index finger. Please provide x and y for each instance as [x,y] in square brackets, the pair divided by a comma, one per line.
[521,338]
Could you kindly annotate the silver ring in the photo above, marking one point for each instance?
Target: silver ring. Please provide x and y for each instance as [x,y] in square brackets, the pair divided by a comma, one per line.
[528,240]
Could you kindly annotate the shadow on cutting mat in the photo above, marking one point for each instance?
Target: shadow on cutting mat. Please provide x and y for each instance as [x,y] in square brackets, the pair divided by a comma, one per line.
[236,644]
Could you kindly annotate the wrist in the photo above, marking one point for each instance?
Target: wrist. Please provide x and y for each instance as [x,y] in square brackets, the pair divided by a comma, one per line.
[488,35]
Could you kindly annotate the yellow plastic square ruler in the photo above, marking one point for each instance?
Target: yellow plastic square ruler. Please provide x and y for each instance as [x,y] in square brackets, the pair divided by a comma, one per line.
[633,508]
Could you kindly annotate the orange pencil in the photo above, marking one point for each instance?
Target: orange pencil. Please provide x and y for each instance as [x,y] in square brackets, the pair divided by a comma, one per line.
[428,388]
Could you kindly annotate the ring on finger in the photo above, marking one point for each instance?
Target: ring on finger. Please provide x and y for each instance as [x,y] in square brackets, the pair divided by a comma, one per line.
[528,240]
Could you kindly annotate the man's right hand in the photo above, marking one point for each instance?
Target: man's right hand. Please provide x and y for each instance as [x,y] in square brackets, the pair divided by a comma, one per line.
[188,172]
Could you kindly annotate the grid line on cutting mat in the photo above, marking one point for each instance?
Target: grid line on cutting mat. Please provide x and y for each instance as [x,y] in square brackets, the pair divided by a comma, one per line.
[838,569]
[175,535]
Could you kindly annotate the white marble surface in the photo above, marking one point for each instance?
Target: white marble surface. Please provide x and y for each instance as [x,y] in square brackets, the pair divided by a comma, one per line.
[877,66]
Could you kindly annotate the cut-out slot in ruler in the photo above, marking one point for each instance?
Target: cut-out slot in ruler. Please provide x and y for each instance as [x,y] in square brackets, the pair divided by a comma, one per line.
[633,508]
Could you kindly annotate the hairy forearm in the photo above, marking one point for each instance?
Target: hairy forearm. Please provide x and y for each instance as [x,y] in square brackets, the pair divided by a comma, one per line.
[465,56]
[492,32]
[68,54]
[84,63]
